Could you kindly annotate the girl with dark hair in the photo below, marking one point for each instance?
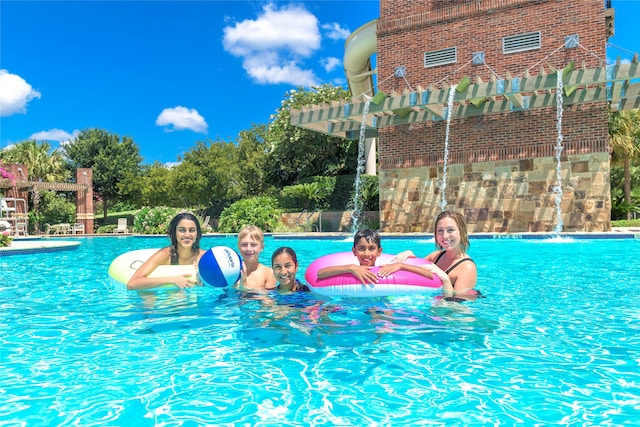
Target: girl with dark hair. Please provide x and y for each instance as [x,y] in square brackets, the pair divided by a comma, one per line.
[184,234]
[285,266]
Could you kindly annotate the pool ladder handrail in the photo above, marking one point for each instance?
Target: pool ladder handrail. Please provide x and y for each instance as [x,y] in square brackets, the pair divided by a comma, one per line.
[314,227]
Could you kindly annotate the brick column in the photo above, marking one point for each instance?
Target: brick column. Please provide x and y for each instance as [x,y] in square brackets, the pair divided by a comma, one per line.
[84,199]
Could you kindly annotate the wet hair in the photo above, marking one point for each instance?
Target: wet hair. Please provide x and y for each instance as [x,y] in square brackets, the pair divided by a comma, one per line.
[173,226]
[369,235]
[462,227]
[285,250]
[252,231]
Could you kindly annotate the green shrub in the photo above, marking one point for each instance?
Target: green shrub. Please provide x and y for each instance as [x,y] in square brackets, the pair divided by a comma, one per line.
[342,191]
[105,229]
[369,193]
[153,220]
[263,212]
[55,208]
[625,223]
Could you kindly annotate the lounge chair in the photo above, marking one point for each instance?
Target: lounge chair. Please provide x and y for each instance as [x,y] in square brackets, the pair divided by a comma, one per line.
[122,226]
[21,228]
[78,228]
[5,209]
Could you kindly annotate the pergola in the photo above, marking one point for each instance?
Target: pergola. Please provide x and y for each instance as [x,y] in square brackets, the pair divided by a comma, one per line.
[618,84]
[20,188]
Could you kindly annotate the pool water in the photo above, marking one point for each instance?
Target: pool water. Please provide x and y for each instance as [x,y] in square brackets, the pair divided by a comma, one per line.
[556,340]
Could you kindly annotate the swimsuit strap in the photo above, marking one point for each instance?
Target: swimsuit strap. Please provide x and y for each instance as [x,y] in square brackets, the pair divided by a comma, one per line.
[450,269]
[440,255]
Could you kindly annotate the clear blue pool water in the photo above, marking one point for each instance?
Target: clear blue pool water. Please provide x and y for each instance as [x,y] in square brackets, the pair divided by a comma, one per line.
[556,341]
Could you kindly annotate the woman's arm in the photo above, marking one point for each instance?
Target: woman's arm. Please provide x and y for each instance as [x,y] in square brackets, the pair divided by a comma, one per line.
[464,277]
[447,286]
[403,256]
[139,280]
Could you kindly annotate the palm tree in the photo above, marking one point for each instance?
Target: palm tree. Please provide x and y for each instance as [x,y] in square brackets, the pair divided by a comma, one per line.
[624,135]
[43,163]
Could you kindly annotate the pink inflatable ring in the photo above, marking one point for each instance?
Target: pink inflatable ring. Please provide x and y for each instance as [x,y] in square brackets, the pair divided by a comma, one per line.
[399,283]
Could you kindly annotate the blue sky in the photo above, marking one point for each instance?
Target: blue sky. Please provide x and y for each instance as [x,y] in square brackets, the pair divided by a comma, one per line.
[170,73]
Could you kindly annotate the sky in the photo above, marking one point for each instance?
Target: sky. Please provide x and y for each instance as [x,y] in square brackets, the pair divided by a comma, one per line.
[171,73]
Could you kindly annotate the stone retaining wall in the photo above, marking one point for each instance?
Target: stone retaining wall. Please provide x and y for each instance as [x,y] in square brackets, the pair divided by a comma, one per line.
[501,196]
[328,221]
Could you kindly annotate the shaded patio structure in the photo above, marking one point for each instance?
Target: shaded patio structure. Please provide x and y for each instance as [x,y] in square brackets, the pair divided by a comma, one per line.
[18,192]
[499,123]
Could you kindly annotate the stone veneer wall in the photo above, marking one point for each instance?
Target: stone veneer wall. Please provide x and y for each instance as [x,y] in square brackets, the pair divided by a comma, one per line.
[328,221]
[502,167]
[500,196]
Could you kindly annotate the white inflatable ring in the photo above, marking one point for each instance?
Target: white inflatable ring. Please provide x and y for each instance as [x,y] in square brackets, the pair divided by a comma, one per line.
[218,267]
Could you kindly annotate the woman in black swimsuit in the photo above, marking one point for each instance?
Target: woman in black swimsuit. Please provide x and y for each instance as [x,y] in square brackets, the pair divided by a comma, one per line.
[450,261]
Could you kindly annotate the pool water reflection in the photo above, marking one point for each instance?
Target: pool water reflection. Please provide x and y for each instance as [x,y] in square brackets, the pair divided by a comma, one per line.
[555,341]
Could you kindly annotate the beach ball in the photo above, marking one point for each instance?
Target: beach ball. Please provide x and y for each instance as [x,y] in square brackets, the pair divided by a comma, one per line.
[220,266]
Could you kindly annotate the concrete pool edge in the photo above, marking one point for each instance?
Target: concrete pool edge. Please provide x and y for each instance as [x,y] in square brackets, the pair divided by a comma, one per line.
[618,233]
[38,244]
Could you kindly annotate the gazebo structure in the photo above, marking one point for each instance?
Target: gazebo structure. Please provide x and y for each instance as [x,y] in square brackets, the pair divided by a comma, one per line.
[18,193]
[497,108]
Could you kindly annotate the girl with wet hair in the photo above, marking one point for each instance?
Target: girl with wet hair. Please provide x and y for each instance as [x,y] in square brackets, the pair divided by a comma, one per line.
[184,233]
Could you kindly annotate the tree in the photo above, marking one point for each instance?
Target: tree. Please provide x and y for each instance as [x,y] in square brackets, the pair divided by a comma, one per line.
[210,174]
[252,155]
[110,158]
[43,163]
[624,135]
[297,153]
[150,187]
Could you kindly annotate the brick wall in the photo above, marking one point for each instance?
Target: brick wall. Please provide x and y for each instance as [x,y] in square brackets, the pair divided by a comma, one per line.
[406,30]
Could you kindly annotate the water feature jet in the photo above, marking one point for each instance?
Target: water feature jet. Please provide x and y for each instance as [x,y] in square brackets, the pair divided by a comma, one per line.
[357,203]
[557,188]
[443,183]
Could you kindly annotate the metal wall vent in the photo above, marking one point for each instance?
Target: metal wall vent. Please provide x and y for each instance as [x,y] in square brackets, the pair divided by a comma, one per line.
[521,42]
[440,57]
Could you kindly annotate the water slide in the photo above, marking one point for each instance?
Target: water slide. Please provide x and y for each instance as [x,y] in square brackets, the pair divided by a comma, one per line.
[358,49]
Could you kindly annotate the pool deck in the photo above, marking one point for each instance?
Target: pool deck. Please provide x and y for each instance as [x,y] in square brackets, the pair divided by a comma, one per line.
[42,244]
[36,245]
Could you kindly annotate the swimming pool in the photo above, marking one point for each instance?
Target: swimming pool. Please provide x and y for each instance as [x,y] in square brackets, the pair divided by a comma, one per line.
[555,341]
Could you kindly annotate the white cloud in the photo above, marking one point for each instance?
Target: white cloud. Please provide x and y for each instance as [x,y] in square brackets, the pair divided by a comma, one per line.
[330,63]
[181,118]
[275,73]
[15,93]
[339,81]
[335,32]
[274,45]
[55,135]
